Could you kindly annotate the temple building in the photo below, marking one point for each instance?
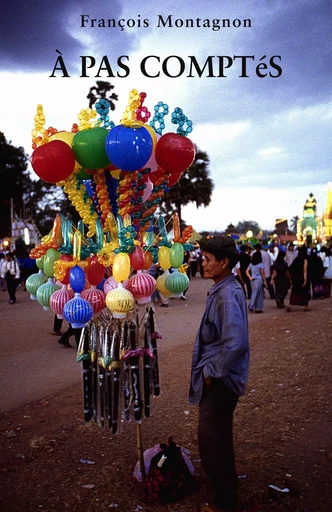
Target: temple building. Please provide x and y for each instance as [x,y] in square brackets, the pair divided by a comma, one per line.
[310,226]
[327,216]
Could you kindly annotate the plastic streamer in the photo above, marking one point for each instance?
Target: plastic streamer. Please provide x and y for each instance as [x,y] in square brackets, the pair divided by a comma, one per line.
[120,369]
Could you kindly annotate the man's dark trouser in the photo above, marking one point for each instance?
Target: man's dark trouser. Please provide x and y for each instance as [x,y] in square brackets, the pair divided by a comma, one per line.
[215,442]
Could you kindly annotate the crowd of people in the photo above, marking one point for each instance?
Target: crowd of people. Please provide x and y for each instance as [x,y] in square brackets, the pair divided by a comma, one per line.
[275,271]
[303,273]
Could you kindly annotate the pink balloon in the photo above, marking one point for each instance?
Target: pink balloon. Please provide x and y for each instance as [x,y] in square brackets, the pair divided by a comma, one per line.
[151,163]
[110,284]
[147,191]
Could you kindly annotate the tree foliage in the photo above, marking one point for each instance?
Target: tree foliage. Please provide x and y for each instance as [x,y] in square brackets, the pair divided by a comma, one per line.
[101,91]
[14,177]
[293,223]
[194,186]
[246,225]
[43,201]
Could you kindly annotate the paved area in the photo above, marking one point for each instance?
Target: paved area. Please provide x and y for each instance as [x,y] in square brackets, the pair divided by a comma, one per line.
[34,365]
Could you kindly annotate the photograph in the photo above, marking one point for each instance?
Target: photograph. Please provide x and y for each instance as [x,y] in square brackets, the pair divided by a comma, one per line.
[165,255]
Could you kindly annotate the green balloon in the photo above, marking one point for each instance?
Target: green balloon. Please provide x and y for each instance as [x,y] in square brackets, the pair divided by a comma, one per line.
[89,148]
[40,262]
[52,255]
[83,175]
[34,282]
[177,282]
[177,254]
[44,293]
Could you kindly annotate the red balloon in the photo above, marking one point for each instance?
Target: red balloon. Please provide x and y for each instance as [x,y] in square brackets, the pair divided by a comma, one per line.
[53,161]
[95,271]
[154,176]
[66,257]
[174,152]
[173,178]
[137,258]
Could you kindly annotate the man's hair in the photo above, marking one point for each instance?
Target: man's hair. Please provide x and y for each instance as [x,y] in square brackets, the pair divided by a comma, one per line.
[232,260]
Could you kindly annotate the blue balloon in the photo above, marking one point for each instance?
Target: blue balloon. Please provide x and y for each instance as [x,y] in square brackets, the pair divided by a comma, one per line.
[77,311]
[129,148]
[90,187]
[77,279]
[100,286]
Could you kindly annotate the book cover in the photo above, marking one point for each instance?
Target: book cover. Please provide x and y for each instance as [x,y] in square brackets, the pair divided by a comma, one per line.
[252,75]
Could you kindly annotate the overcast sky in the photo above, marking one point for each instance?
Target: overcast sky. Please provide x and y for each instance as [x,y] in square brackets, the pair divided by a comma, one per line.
[268,139]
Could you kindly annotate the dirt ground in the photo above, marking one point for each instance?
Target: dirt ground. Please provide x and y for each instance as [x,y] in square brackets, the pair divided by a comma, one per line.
[282,431]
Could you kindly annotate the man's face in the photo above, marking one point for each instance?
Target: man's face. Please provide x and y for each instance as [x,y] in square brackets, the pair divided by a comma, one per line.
[214,269]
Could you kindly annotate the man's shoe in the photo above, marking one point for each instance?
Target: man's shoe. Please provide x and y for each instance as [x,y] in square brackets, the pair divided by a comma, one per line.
[65,343]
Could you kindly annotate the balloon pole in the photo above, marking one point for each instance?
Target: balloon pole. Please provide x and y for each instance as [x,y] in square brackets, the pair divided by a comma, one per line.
[140,450]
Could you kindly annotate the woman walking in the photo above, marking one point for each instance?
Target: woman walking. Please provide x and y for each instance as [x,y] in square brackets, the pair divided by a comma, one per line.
[255,272]
[300,292]
[315,273]
[280,279]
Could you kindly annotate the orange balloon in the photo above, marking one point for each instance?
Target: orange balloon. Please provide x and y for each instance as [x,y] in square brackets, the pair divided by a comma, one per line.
[148,260]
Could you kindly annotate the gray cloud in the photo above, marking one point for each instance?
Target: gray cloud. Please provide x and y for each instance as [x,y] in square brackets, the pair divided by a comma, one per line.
[32,31]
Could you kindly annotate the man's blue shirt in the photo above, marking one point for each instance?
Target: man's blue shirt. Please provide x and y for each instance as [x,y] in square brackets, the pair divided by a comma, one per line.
[221,347]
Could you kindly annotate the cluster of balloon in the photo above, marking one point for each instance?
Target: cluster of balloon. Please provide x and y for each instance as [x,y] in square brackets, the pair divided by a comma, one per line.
[95,275]
[106,168]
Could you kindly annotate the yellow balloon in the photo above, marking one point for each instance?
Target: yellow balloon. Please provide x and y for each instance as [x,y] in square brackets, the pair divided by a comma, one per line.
[121,267]
[116,174]
[161,286]
[120,301]
[66,137]
[153,135]
[164,257]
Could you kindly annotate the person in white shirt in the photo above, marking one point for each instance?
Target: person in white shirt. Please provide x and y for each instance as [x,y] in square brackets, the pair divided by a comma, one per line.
[2,279]
[10,271]
[291,254]
[327,278]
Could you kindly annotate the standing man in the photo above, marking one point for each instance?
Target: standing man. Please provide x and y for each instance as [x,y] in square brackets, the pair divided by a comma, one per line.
[220,366]
[245,261]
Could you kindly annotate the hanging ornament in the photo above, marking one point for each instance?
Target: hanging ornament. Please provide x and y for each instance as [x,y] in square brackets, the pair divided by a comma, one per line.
[120,301]
[45,292]
[77,311]
[96,298]
[34,282]
[177,282]
[142,286]
[59,299]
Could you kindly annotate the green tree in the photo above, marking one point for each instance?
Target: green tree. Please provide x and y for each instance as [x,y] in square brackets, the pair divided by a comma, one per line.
[101,91]
[13,175]
[194,186]
[246,225]
[43,201]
